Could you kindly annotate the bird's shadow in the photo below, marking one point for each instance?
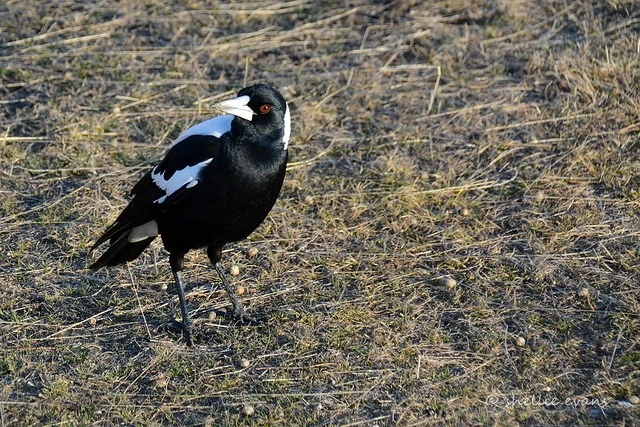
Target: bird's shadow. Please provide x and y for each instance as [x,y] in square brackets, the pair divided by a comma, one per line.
[208,321]
[207,333]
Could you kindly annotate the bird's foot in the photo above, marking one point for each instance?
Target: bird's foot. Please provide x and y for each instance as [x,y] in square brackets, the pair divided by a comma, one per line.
[176,326]
[186,329]
[238,311]
[240,314]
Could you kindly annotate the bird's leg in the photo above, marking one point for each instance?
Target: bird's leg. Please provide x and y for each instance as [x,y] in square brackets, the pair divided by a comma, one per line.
[238,309]
[214,256]
[176,262]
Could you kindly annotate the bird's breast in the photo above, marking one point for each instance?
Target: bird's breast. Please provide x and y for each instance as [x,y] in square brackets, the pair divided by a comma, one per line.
[231,201]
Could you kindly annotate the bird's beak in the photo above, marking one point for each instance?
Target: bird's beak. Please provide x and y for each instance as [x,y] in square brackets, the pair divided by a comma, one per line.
[236,106]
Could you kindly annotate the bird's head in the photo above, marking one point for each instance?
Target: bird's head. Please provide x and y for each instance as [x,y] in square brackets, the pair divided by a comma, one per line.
[263,108]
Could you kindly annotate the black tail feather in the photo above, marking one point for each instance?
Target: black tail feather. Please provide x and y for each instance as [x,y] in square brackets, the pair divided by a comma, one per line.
[114,232]
[121,250]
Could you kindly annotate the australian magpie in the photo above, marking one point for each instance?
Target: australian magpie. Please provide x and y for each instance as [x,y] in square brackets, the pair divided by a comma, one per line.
[216,185]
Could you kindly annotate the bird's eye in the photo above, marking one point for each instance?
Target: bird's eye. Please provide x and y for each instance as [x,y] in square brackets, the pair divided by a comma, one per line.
[265,108]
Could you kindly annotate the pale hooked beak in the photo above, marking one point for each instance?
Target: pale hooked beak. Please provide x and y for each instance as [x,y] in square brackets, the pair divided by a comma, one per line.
[236,106]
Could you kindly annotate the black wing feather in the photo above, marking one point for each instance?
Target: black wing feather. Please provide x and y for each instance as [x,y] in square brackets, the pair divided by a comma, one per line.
[143,207]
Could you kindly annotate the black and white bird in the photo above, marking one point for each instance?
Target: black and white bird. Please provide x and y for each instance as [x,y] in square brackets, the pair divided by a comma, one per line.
[216,185]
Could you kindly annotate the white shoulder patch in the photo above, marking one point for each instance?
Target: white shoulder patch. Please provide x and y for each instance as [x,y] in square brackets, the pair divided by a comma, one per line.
[187,176]
[216,126]
[287,127]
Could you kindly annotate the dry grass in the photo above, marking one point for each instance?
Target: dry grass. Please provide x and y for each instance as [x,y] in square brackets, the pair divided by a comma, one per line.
[456,242]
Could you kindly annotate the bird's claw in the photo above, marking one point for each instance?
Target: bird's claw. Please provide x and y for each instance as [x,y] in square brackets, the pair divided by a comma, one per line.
[241,315]
[176,325]
[186,329]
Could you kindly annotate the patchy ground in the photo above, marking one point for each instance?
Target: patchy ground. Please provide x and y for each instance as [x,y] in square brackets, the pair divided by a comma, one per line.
[456,242]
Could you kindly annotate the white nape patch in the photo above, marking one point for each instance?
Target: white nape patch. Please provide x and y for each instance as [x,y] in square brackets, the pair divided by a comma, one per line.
[287,127]
[144,231]
[216,126]
[187,176]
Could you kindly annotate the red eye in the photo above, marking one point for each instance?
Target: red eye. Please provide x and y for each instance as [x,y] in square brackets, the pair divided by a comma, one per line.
[265,108]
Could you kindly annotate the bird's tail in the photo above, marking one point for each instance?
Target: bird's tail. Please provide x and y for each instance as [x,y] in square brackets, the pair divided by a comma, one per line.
[121,250]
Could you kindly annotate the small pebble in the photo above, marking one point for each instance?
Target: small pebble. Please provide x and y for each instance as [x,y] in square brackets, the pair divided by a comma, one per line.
[520,342]
[92,321]
[252,252]
[466,212]
[634,400]
[308,200]
[247,410]
[116,109]
[241,290]
[244,363]
[161,381]
[540,196]
[234,270]
[212,315]
[450,282]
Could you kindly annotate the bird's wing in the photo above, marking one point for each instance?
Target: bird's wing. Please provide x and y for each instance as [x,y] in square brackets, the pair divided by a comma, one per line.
[166,185]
